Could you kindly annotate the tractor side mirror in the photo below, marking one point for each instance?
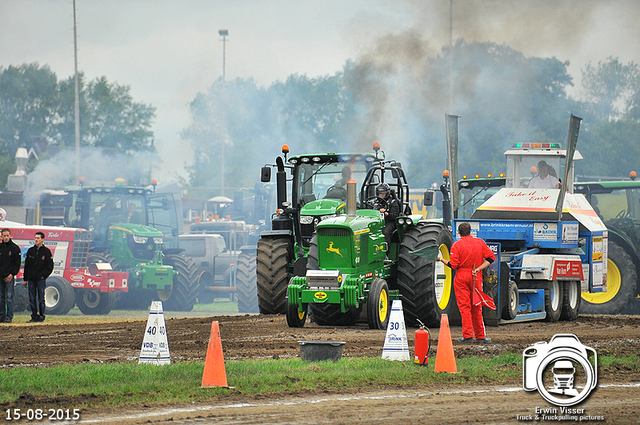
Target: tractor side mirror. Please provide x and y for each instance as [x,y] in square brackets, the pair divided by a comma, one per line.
[265,175]
[429,197]
[394,173]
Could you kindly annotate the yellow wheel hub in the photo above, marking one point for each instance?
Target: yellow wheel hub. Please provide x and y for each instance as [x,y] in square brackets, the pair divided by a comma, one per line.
[444,285]
[614,283]
[383,306]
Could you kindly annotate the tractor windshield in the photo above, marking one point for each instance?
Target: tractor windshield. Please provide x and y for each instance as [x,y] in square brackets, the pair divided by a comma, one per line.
[617,204]
[534,171]
[326,180]
[97,211]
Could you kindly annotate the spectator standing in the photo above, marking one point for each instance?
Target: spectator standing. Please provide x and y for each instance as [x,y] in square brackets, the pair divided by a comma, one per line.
[38,265]
[10,260]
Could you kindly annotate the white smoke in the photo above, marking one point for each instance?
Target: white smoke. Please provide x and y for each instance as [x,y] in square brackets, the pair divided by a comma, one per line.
[97,166]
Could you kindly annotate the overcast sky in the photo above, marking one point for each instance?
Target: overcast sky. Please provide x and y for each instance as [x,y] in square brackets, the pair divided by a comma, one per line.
[167,51]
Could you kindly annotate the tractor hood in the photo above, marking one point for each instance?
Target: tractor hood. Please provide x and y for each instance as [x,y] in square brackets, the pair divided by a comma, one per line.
[539,204]
[364,221]
[322,207]
[136,229]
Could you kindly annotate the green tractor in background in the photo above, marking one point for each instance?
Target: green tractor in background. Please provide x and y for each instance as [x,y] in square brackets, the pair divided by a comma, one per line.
[134,230]
[352,270]
[618,205]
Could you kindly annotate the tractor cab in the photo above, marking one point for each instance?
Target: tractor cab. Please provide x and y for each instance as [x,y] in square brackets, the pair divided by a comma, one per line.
[537,166]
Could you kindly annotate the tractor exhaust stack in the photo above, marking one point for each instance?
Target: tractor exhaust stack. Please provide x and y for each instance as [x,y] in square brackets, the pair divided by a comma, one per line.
[351,198]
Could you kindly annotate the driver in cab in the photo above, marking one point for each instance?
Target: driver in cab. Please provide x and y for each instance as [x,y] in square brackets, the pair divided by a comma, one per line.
[545,178]
[389,206]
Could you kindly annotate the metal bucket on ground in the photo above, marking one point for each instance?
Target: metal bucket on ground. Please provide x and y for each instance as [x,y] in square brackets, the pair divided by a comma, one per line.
[317,351]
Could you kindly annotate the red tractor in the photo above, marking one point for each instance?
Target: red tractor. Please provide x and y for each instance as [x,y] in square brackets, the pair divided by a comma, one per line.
[79,277]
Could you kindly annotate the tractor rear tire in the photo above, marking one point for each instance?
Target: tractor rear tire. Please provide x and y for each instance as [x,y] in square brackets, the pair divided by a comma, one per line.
[571,300]
[621,284]
[553,301]
[378,308]
[184,291]
[426,286]
[205,281]
[247,289]
[59,297]
[312,256]
[273,260]
[20,297]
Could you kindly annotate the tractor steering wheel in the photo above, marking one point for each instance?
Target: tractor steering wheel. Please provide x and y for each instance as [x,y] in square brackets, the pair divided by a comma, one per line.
[376,202]
[622,214]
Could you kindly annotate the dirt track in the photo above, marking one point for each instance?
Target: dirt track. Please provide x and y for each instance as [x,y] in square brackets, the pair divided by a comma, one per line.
[258,336]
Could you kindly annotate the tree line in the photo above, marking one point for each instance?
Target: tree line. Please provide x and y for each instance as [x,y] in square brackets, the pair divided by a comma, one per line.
[395,95]
[37,109]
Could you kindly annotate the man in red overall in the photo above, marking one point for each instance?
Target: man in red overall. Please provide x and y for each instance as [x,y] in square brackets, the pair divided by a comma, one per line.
[469,256]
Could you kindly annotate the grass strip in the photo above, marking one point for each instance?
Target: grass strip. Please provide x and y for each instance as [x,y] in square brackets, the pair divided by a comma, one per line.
[129,384]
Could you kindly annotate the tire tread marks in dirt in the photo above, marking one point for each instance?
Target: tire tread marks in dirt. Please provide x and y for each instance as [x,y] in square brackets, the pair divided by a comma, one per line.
[416,279]
[185,283]
[272,274]
[246,284]
[628,282]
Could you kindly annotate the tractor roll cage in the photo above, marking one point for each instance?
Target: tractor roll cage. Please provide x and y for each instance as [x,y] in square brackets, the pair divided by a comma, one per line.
[389,172]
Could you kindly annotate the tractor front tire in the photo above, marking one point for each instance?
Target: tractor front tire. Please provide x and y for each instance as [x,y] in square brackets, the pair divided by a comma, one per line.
[59,297]
[296,317]
[378,308]
[184,290]
[247,289]
[273,274]
[426,286]
[92,301]
[621,284]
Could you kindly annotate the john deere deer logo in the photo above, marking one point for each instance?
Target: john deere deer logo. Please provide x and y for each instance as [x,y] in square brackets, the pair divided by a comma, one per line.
[332,249]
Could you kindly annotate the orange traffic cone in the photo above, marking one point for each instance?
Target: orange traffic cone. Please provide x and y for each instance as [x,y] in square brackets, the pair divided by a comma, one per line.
[445,361]
[214,374]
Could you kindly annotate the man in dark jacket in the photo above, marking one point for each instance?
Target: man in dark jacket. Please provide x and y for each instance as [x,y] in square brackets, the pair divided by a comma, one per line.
[10,259]
[38,265]
[390,206]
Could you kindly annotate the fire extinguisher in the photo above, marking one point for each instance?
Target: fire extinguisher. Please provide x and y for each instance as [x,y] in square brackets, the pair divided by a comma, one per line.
[423,345]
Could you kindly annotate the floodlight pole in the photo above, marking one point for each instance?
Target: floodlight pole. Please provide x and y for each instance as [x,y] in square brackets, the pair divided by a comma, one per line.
[77,94]
[224,34]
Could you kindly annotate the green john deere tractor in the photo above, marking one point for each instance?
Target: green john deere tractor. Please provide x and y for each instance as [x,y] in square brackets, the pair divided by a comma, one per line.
[618,204]
[133,228]
[353,269]
[318,192]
